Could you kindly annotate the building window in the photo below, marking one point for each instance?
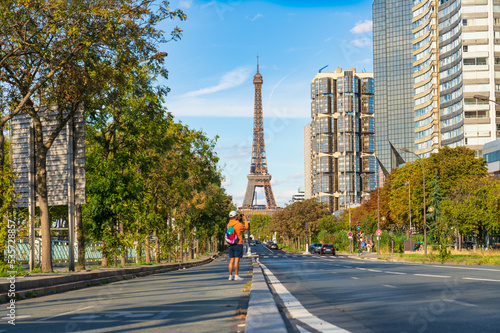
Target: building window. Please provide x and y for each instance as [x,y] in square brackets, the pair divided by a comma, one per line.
[466,48]
[497,87]
[464,22]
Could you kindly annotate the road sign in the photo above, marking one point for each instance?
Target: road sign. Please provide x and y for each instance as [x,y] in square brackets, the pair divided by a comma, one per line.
[409,232]
[349,234]
[379,232]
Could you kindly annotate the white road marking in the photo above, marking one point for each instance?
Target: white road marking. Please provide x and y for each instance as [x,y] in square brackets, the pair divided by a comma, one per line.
[162,315]
[472,268]
[438,276]
[65,313]
[394,273]
[388,286]
[17,317]
[361,268]
[459,302]
[374,270]
[296,309]
[355,278]
[490,280]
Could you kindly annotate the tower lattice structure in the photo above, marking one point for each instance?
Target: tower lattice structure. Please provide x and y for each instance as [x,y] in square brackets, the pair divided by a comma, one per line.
[259,175]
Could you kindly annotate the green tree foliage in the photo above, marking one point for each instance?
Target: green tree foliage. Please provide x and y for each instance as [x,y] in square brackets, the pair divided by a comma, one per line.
[260,225]
[291,221]
[473,206]
[64,56]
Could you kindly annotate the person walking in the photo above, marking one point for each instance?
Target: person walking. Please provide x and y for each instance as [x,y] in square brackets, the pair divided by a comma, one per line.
[239,224]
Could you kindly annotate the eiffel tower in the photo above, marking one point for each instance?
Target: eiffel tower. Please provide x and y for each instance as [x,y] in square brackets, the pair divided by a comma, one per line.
[258,176]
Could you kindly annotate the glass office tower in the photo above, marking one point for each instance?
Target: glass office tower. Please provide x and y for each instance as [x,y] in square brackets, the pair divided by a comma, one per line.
[393,75]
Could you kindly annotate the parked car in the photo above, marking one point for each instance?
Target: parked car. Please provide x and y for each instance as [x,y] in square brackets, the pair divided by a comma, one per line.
[273,246]
[327,249]
[253,243]
[257,241]
[315,247]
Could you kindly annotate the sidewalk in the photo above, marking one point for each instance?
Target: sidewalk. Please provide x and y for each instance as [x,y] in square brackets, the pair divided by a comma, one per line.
[40,284]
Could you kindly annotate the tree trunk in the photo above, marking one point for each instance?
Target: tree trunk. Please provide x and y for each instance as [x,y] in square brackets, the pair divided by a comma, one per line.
[41,179]
[148,251]
[104,255]
[124,250]
[80,238]
[181,246]
[157,246]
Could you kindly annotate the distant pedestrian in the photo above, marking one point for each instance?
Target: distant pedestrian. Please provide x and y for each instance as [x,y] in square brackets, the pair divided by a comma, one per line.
[240,224]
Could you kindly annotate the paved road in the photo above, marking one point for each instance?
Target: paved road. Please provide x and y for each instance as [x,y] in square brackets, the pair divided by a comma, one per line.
[377,296]
[199,299]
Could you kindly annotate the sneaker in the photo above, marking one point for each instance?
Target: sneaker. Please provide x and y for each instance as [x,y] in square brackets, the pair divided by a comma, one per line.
[231,277]
[238,278]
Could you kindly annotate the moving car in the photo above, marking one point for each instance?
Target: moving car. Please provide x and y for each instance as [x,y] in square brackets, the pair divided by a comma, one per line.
[315,247]
[327,249]
[273,246]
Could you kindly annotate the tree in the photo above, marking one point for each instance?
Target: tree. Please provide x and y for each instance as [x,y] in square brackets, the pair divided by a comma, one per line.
[63,57]
[473,206]
[260,224]
[292,220]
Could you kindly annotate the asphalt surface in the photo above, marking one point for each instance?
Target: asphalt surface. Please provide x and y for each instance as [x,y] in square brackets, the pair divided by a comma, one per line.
[199,299]
[335,293]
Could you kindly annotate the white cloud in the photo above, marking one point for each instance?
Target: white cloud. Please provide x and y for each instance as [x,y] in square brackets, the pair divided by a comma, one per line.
[229,80]
[257,17]
[362,27]
[186,3]
[361,42]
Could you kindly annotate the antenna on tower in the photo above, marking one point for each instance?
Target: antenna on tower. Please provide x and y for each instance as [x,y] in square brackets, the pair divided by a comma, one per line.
[257,63]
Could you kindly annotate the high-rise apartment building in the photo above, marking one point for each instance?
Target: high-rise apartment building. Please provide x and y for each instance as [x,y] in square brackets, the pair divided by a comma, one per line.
[454,45]
[342,137]
[393,74]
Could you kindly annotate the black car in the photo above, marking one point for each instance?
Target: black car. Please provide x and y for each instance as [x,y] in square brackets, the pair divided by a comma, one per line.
[273,246]
[314,248]
[327,249]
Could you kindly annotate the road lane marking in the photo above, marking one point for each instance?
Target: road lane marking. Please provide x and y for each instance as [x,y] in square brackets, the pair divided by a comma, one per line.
[65,313]
[374,270]
[438,276]
[354,278]
[477,279]
[17,317]
[388,286]
[459,302]
[296,309]
[360,268]
[394,273]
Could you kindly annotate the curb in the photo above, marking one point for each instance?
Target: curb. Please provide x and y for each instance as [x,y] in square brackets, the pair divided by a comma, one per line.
[48,285]
[262,314]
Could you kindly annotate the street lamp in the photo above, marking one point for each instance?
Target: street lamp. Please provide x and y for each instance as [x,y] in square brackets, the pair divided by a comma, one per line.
[425,211]
[409,209]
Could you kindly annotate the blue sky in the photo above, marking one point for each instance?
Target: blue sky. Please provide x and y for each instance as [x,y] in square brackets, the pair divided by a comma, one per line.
[211,70]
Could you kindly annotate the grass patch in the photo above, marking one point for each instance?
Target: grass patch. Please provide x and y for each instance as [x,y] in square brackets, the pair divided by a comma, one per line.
[490,257]
[6,271]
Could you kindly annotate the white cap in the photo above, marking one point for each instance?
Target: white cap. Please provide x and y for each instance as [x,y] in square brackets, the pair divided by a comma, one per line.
[233,213]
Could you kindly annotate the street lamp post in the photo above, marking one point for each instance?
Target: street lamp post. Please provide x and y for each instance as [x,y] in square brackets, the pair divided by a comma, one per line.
[409,209]
[425,211]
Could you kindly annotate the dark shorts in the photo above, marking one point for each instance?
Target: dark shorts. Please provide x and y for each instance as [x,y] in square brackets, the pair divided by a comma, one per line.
[236,251]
